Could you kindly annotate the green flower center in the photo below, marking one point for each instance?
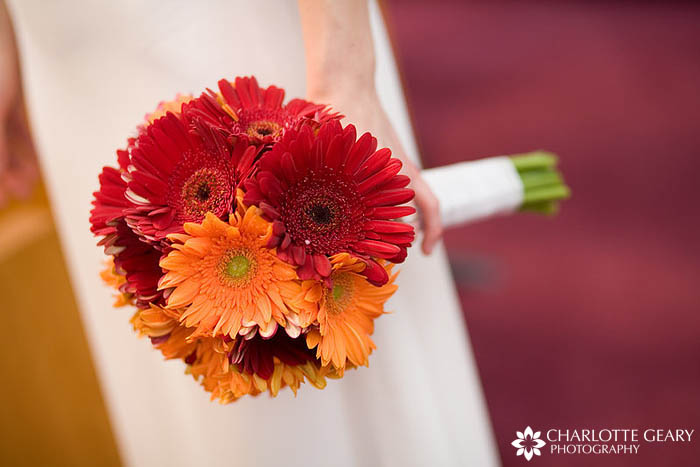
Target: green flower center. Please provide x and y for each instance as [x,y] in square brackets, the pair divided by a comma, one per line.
[338,291]
[341,295]
[237,267]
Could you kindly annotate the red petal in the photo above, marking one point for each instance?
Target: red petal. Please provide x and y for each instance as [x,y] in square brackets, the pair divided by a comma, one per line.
[359,152]
[375,274]
[269,211]
[404,238]
[288,167]
[391,212]
[229,93]
[307,271]
[162,221]
[317,155]
[284,255]
[274,97]
[278,228]
[322,265]
[274,241]
[270,185]
[399,258]
[286,241]
[376,248]
[327,133]
[262,364]
[299,254]
[375,162]
[247,90]
[379,178]
[150,183]
[253,194]
[349,137]
[388,226]
[400,181]
[336,153]
[390,197]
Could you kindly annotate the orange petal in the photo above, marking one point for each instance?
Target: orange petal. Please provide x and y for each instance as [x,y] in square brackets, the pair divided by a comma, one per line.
[183,294]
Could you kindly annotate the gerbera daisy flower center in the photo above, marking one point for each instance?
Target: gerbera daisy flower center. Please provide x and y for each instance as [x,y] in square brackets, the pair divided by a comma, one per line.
[338,292]
[237,268]
[341,295]
[202,192]
[322,212]
[263,123]
[263,128]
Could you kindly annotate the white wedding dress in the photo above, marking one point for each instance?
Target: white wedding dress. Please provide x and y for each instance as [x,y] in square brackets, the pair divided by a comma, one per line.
[92,70]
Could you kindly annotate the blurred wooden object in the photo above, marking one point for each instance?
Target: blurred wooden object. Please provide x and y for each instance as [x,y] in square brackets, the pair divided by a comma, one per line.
[52,411]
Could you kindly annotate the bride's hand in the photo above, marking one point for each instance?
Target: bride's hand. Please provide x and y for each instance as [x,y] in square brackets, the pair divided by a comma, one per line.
[364,110]
[18,166]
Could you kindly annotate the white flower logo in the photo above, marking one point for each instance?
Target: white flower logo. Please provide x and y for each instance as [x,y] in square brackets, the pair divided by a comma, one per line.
[528,443]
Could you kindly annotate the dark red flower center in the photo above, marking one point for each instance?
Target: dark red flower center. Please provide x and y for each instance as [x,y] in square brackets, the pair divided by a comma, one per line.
[263,128]
[320,214]
[202,192]
[262,123]
[324,212]
[199,185]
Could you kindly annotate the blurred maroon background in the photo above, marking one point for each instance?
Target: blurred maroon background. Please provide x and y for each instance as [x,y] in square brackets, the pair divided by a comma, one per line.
[590,319]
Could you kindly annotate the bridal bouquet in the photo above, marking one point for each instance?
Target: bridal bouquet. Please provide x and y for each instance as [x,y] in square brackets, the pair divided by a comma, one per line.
[255,239]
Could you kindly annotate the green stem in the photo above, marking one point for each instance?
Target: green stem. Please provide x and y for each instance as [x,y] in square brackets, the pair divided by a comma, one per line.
[543,185]
[540,178]
[552,193]
[534,160]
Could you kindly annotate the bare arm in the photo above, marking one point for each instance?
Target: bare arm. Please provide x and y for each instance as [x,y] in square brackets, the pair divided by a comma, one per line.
[340,71]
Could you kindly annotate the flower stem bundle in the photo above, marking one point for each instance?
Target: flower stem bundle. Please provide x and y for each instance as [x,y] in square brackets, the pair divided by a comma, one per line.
[543,185]
[474,190]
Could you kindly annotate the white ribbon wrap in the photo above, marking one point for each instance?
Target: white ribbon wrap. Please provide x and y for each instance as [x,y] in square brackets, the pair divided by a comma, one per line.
[470,191]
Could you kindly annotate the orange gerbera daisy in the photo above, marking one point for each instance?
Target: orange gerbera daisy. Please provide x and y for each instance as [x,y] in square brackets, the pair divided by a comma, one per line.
[347,312]
[226,280]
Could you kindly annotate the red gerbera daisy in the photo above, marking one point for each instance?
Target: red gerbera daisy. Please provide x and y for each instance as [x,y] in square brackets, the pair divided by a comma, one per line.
[245,109]
[177,175]
[138,262]
[327,193]
[256,355]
